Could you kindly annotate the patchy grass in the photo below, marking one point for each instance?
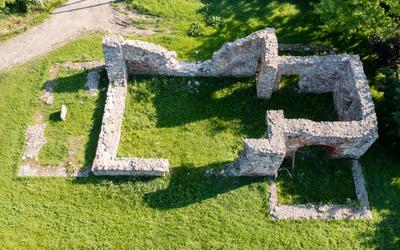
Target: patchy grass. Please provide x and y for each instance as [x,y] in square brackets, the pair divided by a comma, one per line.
[185,209]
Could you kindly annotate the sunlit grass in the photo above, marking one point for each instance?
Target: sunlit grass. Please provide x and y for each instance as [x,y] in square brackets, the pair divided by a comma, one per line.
[185,209]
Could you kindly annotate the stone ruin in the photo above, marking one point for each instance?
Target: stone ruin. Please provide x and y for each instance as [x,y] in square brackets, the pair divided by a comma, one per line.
[255,55]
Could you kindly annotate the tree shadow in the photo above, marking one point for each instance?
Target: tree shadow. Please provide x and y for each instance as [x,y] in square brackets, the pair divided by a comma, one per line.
[293,20]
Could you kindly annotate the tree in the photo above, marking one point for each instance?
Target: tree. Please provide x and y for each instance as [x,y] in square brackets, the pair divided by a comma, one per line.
[387,80]
[4,2]
[360,17]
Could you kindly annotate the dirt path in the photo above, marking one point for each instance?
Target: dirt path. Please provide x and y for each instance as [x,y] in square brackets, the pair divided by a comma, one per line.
[65,23]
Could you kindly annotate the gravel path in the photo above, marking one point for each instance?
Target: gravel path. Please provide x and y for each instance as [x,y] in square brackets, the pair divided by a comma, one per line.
[65,23]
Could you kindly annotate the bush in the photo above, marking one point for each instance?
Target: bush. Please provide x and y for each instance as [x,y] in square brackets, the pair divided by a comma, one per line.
[362,18]
[195,30]
[388,51]
[25,6]
[387,80]
[215,21]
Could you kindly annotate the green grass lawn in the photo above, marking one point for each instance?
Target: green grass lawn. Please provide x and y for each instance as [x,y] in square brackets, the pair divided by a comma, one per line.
[72,142]
[204,126]
[195,130]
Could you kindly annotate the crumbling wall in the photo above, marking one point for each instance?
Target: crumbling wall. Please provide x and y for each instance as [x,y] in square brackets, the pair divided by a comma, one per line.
[318,74]
[349,137]
[263,157]
[106,161]
[241,58]
[255,55]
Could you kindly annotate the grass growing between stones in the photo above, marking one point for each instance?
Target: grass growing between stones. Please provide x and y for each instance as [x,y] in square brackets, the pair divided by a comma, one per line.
[185,209]
[72,142]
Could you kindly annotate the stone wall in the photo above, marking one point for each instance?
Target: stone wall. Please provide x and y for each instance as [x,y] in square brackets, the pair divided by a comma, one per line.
[106,161]
[257,55]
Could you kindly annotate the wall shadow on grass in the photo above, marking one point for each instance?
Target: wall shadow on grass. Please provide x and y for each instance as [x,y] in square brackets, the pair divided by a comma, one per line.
[97,118]
[188,185]
[84,116]
[177,102]
[316,178]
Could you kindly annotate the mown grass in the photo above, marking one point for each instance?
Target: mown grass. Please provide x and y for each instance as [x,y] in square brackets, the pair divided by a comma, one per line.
[315,179]
[70,142]
[185,209]
[205,124]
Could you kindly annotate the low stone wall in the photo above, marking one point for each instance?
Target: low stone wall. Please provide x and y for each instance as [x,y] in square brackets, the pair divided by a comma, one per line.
[106,161]
[241,58]
[257,55]
[361,211]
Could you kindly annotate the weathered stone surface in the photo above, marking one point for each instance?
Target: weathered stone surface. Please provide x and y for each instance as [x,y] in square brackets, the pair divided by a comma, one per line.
[240,58]
[49,100]
[31,169]
[88,65]
[257,55]
[63,113]
[34,137]
[262,157]
[106,161]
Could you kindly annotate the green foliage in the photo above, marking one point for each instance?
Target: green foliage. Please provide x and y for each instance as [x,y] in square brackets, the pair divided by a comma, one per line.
[388,81]
[360,17]
[195,30]
[18,15]
[4,2]
[215,21]
[25,6]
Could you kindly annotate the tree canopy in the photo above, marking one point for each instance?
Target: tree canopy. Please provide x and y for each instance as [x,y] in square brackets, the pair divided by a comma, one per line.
[360,17]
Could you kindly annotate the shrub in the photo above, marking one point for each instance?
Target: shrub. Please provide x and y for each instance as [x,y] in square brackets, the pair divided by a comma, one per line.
[387,80]
[205,10]
[195,30]
[215,21]
[388,51]
[24,6]
[362,18]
